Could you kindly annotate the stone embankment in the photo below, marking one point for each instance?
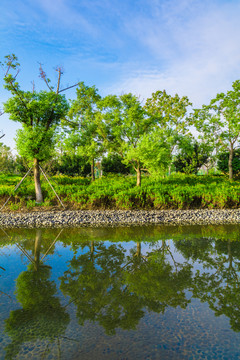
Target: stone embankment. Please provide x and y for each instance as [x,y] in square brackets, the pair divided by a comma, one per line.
[117,217]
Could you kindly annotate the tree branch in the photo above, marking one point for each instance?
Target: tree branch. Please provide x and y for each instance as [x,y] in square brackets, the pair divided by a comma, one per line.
[69,87]
[59,70]
[43,76]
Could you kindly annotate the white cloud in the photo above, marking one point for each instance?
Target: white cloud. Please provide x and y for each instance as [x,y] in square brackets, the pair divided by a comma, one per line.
[201,54]
[61,12]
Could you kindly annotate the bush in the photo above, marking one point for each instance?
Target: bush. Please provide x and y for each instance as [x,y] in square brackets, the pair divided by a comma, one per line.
[177,191]
[71,165]
[113,164]
[191,158]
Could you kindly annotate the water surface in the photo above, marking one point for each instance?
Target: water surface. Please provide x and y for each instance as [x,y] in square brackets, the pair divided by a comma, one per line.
[153,292]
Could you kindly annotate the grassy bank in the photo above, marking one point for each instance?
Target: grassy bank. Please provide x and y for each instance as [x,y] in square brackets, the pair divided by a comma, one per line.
[115,192]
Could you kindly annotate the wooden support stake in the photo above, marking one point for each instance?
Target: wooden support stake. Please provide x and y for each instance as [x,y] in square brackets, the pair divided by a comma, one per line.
[51,187]
[16,187]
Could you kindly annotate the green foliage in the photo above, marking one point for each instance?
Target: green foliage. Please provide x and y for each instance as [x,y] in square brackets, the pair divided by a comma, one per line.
[191,157]
[113,164]
[33,143]
[177,191]
[37,109]
[83,136]
[71,165]
[154,152]
[219,122]
[125,123]
[168,113]
[21,165]
[40,113]
[167,110]
[7,163]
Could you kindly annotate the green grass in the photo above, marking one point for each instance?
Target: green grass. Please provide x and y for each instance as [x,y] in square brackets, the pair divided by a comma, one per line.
[114,192]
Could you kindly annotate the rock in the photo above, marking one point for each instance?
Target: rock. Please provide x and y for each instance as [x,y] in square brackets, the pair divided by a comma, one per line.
[117,217]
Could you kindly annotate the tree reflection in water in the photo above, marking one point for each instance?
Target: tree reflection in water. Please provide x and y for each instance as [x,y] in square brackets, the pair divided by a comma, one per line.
[218,281]
[114,285]
[42,316]
[114,289]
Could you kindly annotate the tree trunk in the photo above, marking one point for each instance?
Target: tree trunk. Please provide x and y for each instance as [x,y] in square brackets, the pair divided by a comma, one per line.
[138,253]
[38,189]
[230,260]
[93,170]
[138,176]
[169,170]
[37,249]
[92,251]
[92,247]
[230,162]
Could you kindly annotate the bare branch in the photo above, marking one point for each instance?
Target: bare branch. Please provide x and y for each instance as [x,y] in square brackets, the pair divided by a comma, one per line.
[18,71]
[44,77]
[60,72]
[69,87]
[33,86]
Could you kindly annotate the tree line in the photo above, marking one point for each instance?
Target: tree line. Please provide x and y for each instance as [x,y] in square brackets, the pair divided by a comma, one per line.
[152,136]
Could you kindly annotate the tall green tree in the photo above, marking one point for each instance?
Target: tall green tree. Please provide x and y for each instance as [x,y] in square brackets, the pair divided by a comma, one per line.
[83,138]
[220,121]
[124,123]
[39,113]
[169,113]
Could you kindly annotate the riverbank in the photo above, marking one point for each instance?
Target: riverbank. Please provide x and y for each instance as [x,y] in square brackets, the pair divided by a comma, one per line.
[67,218]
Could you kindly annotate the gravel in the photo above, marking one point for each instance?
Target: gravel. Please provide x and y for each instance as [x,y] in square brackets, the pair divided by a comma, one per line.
[50,219]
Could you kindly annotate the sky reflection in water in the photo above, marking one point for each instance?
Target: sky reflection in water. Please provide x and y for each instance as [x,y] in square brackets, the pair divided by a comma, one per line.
[120,293]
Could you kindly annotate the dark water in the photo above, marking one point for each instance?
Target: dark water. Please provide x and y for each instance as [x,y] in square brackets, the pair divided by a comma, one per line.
[120,293]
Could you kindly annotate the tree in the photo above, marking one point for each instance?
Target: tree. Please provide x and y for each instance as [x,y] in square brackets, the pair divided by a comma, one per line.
[6,159]
[83,137]
[191,157]
[220,121]
[122,127]
[154,152]
[39,113]
[169,114]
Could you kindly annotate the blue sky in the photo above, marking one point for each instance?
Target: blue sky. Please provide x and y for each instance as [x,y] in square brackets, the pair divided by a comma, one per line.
[188,47]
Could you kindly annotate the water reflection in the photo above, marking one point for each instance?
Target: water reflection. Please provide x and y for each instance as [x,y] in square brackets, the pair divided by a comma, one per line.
[41,315]
[218,281]
[114,285]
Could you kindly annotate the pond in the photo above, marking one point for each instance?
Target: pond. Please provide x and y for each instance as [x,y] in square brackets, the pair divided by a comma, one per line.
[150,292]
